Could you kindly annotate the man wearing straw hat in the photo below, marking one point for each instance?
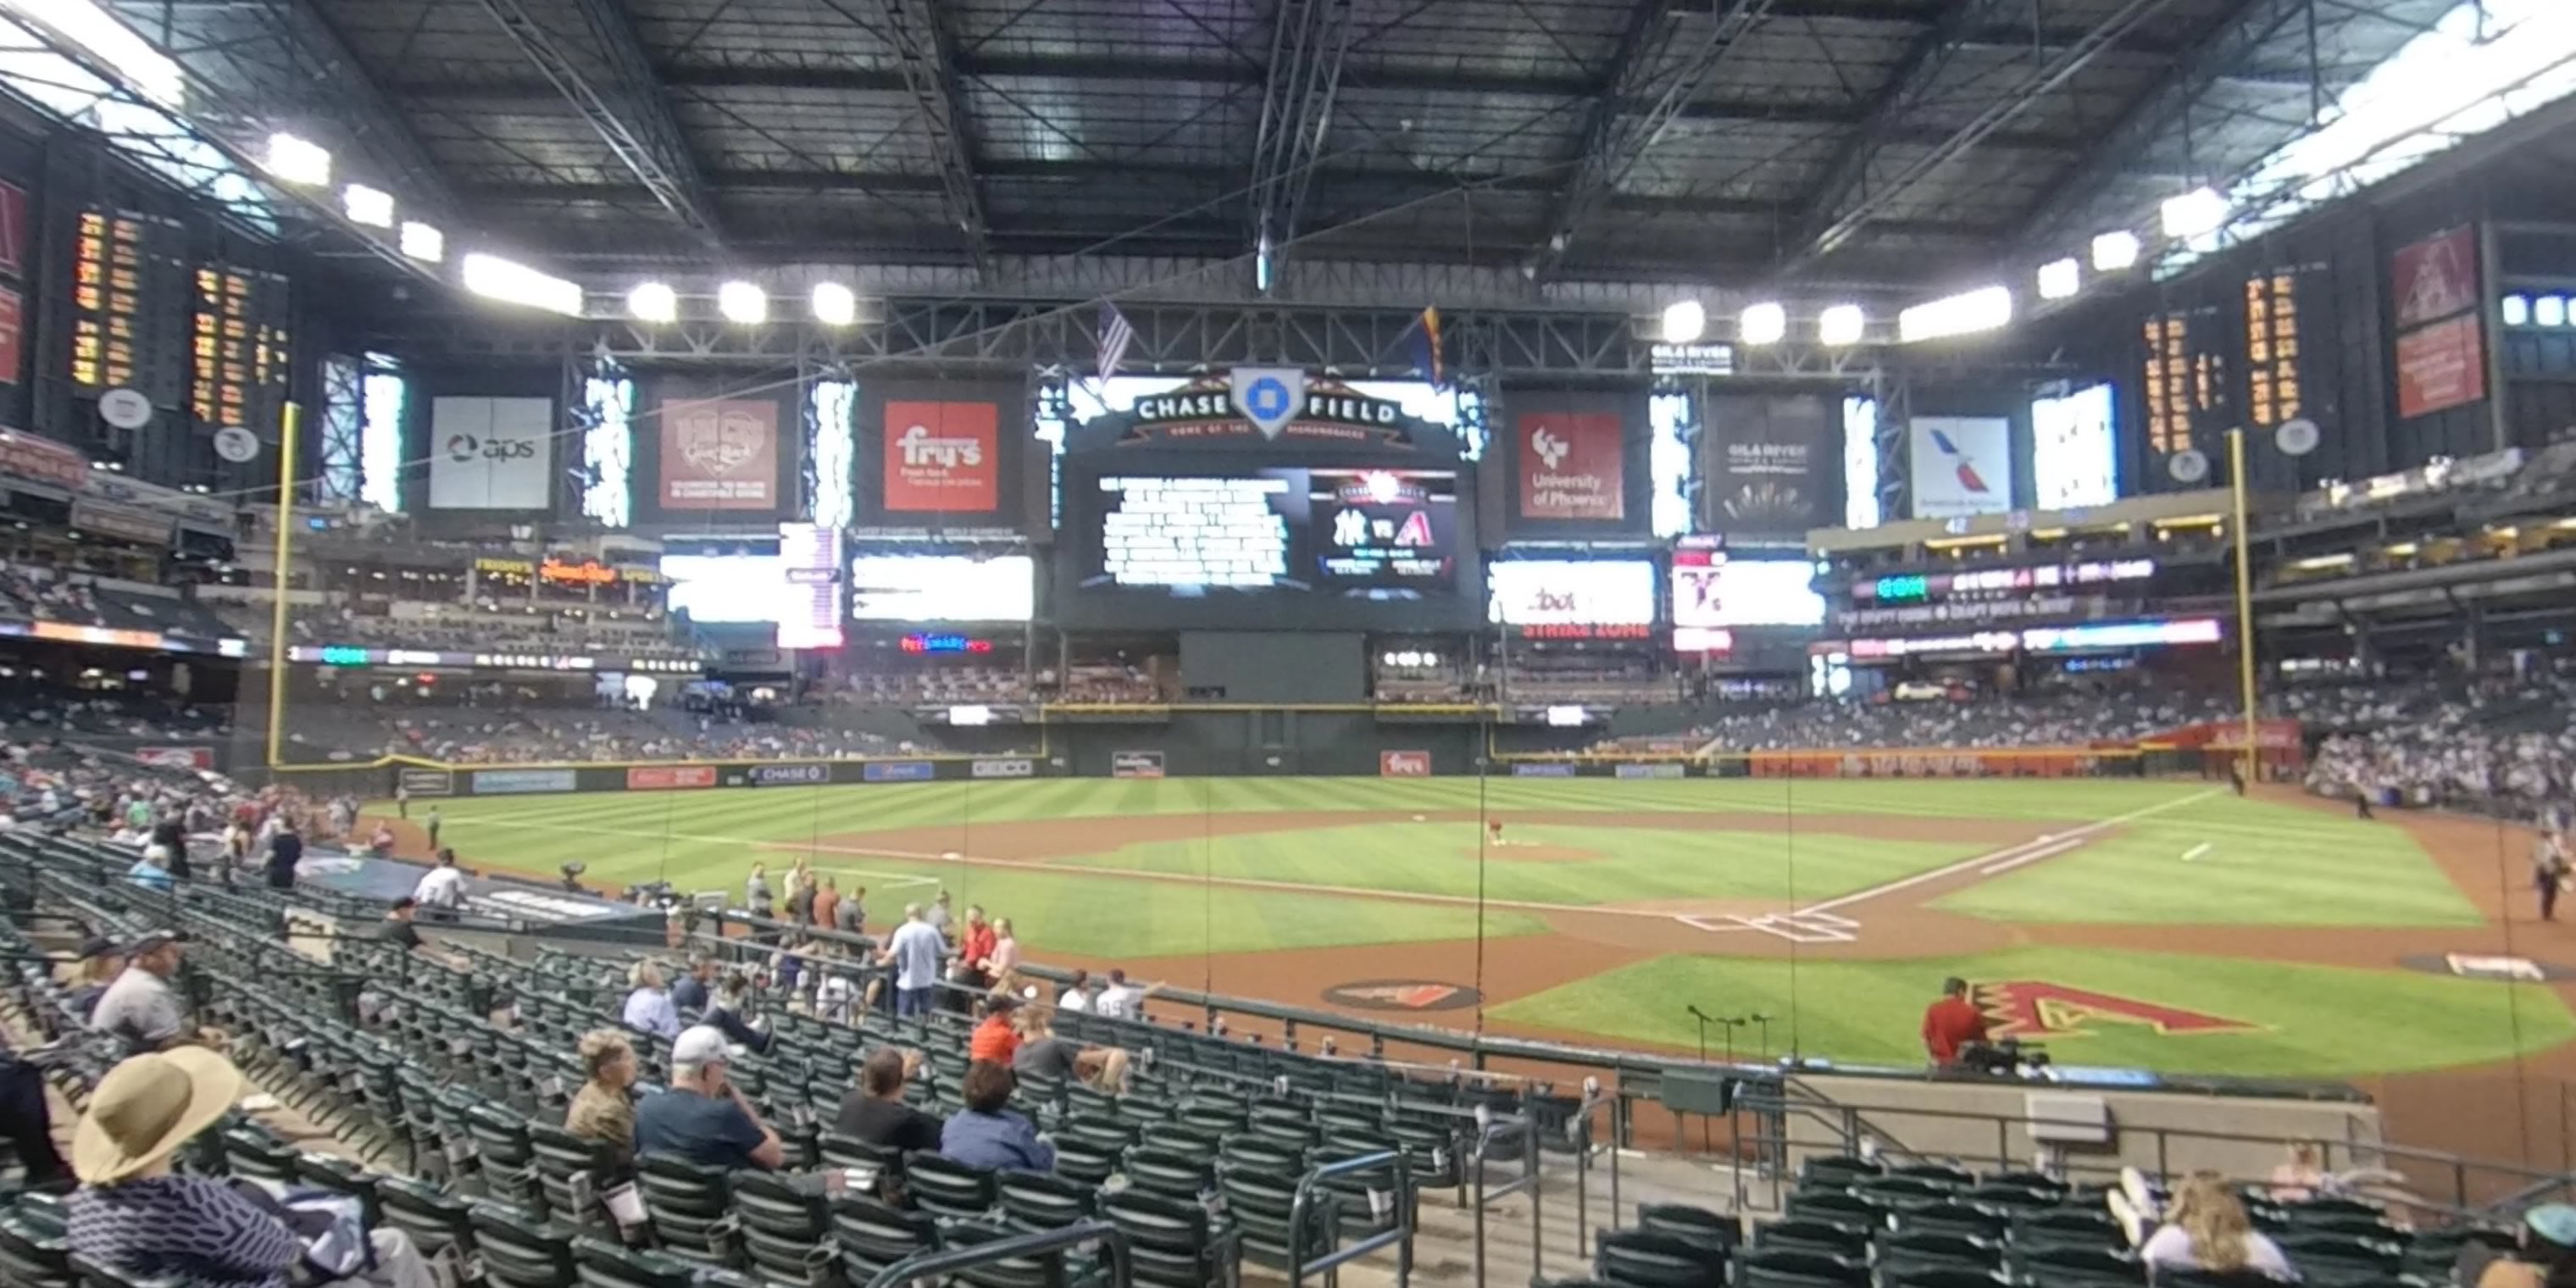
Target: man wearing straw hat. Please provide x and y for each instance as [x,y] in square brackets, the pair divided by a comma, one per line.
[135,1215]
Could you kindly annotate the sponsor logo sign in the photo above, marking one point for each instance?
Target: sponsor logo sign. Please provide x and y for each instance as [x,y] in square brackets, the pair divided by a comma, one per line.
[897,771]
[1404,764]
[1402,995]
[1962,465]
[1549,769]
[719,455]
[1135,764]
[2436,277]
[490,453]
[177,757]
[1571,466]
[942,456]
[426,782]
[662,778]
[43,460]
[1269,397]
[1660,769]
[1766,457]
[2030,1008]
[522,782]
[788,775]
[123,522]
[1010,767]
[13,335]
[2440,366]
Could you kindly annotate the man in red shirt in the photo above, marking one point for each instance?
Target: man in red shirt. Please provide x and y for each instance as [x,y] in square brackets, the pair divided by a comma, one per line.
[1952,1023]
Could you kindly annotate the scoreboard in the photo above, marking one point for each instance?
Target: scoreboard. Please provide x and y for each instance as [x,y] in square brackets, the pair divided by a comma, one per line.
[130,301]
[239,348]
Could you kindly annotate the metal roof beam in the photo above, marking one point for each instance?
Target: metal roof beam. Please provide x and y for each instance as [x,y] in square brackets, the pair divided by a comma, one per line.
[1664,58]
[925,58]
[1308,40]
[1854,188]
[628,111]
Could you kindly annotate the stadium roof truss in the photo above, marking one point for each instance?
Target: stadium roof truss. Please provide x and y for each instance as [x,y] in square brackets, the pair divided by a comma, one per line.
[1540,154]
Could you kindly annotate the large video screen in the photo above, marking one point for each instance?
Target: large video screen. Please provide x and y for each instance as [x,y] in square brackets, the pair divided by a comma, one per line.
[1572,592]
[2075,449]
[1370,534]
[1745,592]
[726,588]
[943,588]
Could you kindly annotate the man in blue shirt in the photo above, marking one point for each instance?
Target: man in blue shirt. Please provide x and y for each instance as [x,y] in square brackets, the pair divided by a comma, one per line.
[702,1117]
[689,992]
[989,1134]
[915,952]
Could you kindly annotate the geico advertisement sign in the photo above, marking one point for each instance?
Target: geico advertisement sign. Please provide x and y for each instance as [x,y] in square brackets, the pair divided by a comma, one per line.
[1012,768]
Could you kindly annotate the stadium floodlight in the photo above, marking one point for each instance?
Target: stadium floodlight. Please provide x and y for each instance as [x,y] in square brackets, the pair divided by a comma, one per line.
[834,304]
[2060,279]
[1764,323]
[134,60]
[2115,251]
[2550,310]
[423,242]
[511,282]
[2516,310]
[653,302]
[297,160]
[1684,322]
[1984,309]
[373,207]
[1840,325]
[742,302]
[2196,213]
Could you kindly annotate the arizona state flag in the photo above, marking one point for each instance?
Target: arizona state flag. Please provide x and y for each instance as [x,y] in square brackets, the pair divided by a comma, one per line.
[1427,356]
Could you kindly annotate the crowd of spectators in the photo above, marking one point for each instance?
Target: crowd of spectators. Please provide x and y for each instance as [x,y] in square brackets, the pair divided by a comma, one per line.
[537,735]
[2508,749]
[43,593]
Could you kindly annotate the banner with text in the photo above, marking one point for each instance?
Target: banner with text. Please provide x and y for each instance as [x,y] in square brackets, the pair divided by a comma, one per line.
[1770,465]
[719,454]
[942,457]
[1571,458]
[2441,338]
[490,453]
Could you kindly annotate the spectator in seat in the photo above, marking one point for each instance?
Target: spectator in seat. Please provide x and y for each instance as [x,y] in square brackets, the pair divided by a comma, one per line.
[988,1133]
[874,1110]
[285,850]
[725,1014]
[703,1117]
[827,904]
[689,992]
[648,1007]
[2206,1228]
[1043,1054]
[88,978]
[141,1009]
[996,1040]
[442,887]
[1003,957]
[1077,996]
[850,915]
[2302,1175]
[148,873]
[2544,1255]
[396,928]
[1122,1000]
[138,1217]
[601,1110]
[756,895]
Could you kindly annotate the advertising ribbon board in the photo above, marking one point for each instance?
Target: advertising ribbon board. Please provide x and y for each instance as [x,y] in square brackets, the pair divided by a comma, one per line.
[1136,764]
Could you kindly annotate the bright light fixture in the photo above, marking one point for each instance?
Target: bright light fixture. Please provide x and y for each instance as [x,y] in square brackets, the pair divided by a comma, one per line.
[2114,251]
[512,282]
[2196,213]
[1764,323]
[742,302]
[423,242]
[2060,279]
[1967,313]
[2549,310]
[653,302]
[1840,325]
[296,160]
[134,60]
[834,305]
[1684,322]
[2516,310]
[369,206]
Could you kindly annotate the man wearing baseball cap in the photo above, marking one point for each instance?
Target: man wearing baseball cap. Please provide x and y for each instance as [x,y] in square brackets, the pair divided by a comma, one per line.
[2545,1255]
[703,1117]
[142,1008]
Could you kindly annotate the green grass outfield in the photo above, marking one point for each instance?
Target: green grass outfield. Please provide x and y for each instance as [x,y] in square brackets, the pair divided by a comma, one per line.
[2309,1021]
[2265,864]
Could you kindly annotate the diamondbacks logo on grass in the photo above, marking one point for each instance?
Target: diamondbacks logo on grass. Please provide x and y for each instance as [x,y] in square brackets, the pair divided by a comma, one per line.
[2029,1008]
[1402,995]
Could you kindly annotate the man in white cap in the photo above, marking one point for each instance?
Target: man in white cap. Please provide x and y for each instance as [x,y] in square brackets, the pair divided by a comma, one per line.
[703,1117]
[141,1009]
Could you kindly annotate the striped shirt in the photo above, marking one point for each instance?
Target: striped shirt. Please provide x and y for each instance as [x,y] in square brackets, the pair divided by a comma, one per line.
[188,1227]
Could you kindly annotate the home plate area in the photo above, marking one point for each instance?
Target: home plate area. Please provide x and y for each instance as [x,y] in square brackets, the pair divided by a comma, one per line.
[1805,927]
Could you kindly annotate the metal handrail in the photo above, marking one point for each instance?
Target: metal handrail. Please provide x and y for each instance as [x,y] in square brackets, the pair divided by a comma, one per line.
[1400,1233]
[930,1264]
[1527,1182]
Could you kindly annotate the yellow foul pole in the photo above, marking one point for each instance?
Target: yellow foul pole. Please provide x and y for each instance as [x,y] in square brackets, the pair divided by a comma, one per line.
[277,614]
[2244,596]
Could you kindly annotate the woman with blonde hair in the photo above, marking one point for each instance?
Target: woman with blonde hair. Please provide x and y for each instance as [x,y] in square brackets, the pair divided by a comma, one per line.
[601,1110]
[649,1008]
[2206,1228]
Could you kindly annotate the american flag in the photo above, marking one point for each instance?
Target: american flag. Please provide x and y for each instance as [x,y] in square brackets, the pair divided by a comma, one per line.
[1115,335]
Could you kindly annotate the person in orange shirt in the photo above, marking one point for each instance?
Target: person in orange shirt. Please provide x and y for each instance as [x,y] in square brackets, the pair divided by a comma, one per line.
[1952,1023]
[826,901]
[996,1039]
